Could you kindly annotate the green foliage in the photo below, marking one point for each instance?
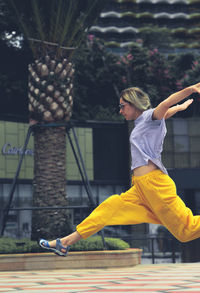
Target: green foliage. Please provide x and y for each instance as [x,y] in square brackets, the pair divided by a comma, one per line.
[96,243]
[96,75]
[108,113]
[115,244]
[7,245]
[10,245]
[161,82]
[185,70]
[98,72]
[180,63]
[63,22]
[192,76]
[149,70]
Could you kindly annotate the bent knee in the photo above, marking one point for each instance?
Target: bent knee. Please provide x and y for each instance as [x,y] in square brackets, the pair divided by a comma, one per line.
[186,237]
[182,239]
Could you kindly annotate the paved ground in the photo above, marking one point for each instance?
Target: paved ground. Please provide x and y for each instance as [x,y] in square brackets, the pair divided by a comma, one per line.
[165,278]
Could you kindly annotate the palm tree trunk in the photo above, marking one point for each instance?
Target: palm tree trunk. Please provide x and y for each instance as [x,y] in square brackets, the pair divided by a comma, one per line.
[50,101]
[53,29]
[49,184]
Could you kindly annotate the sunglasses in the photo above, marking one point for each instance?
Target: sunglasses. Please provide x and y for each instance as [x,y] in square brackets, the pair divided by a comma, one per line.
[121,106]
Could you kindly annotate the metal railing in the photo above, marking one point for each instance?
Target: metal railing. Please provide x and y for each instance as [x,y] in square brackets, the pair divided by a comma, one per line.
[150,250]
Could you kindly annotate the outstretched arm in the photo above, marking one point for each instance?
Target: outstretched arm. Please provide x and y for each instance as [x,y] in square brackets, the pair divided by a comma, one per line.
[161,110]
[173,110]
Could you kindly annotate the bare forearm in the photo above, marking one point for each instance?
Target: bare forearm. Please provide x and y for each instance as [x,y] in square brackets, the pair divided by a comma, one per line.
[166,105]
[179,96]
[172,111]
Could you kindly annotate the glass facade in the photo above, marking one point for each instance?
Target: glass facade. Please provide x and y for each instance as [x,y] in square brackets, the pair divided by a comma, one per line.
[181,147]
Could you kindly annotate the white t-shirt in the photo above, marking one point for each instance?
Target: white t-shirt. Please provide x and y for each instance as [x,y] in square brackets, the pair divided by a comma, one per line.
[146,141]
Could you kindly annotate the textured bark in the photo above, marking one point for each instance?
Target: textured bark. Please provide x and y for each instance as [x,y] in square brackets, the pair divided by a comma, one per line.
[50,101]
[50,89]
[49,185]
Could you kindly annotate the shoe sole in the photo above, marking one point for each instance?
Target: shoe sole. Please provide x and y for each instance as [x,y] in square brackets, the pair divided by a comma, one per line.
[54,250]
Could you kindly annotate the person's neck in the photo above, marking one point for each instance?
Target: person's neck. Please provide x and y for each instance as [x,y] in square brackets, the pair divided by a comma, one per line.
[138,113]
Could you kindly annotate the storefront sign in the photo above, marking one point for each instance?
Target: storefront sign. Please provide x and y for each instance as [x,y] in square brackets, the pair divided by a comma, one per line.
[8,149]
[13,136]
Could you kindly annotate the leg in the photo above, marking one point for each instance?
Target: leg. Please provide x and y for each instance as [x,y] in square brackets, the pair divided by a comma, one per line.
[60,246]
[159,193]
[124,209]
[67,240]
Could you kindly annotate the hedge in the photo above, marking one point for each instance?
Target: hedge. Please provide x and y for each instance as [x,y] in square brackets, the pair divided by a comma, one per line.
[10,245]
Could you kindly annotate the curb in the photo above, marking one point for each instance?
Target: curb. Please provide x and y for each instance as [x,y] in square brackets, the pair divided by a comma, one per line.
[74,260]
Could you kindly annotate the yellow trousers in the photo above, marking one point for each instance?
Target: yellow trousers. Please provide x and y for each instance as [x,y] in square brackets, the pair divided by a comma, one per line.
[152,199]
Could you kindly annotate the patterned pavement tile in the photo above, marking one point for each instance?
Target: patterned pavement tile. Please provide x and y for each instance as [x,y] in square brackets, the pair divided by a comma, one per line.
[164,278]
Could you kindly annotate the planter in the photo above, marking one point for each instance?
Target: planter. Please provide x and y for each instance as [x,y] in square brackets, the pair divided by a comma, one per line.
[74,260]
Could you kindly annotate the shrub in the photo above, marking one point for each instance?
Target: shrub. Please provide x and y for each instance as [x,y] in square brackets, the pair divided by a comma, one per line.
[96,243]
[9,245]
[116,244]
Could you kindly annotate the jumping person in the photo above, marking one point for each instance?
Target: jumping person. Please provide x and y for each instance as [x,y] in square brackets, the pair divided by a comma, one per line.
[153,197]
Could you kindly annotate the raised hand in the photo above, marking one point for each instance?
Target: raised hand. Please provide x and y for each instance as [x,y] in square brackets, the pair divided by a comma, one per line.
[196,87]
[185,105]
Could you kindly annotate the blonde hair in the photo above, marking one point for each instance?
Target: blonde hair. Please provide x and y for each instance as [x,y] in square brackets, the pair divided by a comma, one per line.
[137,97]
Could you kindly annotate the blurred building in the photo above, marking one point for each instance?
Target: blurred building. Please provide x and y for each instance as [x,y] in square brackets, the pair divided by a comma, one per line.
[124,22]
[105,150]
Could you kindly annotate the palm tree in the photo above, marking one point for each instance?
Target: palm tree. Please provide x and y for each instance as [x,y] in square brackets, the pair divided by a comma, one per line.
[53,29]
